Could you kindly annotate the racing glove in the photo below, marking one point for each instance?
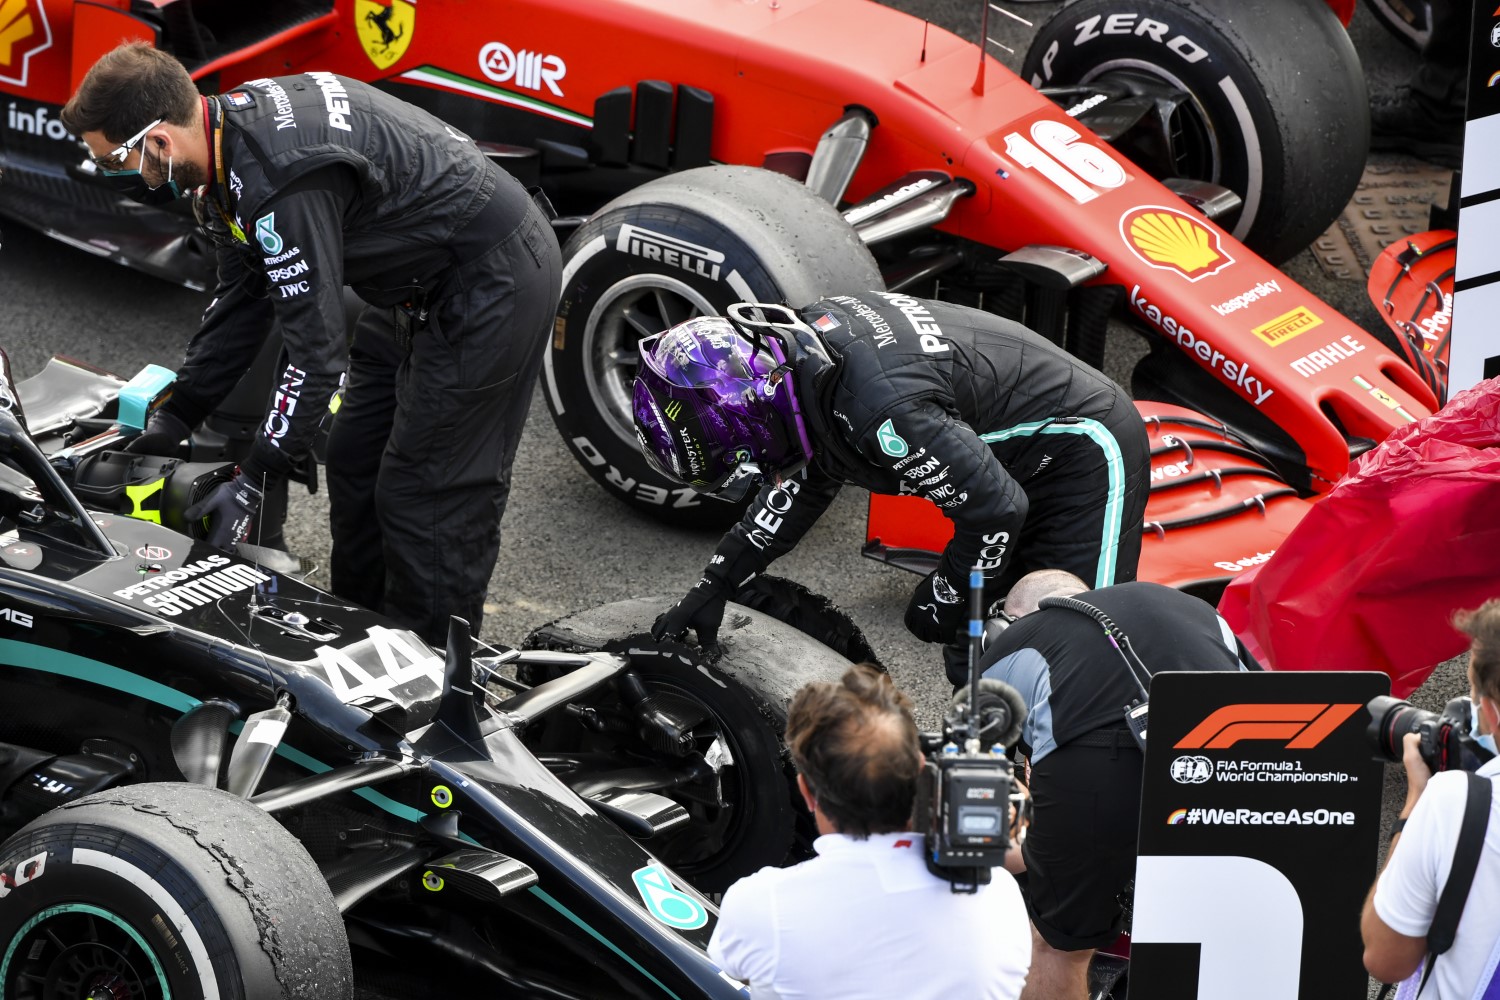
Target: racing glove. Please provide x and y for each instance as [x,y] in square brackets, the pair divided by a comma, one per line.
[227,512]
[702,609]
[936,610]
[163,435]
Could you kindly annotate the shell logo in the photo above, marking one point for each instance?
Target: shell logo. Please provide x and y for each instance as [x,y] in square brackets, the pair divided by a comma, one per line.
[1173,241]
[23,33]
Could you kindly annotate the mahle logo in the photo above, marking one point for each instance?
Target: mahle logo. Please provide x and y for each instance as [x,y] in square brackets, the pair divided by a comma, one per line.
[1173,241]
[266,234]
[891,443]
[23,33]
[384,29]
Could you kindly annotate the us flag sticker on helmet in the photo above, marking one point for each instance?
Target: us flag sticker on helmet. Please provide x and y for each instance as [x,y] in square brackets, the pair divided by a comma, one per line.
[890,442]
[1173,241]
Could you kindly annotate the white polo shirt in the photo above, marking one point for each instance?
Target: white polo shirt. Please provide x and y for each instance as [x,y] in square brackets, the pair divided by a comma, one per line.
[1406,895]
[865,919]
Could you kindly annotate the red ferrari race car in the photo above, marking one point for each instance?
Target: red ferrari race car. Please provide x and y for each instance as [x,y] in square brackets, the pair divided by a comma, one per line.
[777,150]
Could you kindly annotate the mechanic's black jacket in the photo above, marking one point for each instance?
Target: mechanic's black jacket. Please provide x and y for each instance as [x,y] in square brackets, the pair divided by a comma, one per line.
[1072,679]
[899,408]
[320,181]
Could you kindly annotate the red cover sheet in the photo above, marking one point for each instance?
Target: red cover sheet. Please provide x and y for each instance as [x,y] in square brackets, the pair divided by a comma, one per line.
[1371,576]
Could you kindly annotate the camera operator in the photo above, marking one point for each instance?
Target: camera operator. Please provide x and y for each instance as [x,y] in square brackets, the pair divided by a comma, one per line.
[866,918]
[1404,899]
[1079,852]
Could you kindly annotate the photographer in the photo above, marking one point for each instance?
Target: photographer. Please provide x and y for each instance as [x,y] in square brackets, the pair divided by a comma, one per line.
[1404,900]
[1079,853]
[865,918]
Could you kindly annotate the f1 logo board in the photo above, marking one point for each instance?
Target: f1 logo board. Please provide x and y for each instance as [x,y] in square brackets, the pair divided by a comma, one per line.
[1259,836]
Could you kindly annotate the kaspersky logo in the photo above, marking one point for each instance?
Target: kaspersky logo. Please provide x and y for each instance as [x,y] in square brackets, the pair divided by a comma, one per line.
[23,33]
[1302,727]
[1173,241]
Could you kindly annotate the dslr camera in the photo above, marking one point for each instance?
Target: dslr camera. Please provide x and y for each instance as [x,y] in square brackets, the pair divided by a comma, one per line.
[1444,739]
[966,788]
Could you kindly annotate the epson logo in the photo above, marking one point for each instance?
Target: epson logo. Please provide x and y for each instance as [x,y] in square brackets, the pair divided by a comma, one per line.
[290,271]
[669,250]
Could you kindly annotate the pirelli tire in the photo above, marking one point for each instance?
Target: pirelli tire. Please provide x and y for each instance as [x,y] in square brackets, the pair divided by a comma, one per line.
[746,684]
[686,244]
[1276,107]
[166,890]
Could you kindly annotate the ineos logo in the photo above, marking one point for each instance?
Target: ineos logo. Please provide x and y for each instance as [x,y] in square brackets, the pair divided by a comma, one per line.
[531,70]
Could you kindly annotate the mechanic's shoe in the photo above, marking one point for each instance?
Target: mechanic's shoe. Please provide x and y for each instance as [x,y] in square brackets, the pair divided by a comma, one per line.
[1409,123]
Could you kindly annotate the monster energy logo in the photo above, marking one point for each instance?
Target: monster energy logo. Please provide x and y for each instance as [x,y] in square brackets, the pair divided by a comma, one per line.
[672,409]
[891,443]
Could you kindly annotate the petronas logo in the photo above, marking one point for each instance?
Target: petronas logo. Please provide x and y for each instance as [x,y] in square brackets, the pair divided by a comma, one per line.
[891,443]
[666,902]
[672,409]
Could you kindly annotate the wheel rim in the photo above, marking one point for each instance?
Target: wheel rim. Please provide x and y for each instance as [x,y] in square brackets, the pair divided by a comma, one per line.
[77,950]
[1185,143]
[626,313]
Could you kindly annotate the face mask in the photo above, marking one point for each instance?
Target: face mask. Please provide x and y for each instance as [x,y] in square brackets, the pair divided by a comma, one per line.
[1488,739]
[132,185]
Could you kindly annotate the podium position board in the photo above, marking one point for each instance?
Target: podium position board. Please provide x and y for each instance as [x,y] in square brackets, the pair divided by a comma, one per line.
[1260,829]
[1474,349]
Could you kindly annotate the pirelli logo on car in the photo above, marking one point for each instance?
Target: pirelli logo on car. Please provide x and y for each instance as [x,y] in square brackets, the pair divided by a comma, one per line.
[1286,326]
[1173,241]
[648,245]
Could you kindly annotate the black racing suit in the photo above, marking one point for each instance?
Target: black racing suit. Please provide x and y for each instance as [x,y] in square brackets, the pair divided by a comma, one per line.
[1038,460]
[1085,766]
[319,181]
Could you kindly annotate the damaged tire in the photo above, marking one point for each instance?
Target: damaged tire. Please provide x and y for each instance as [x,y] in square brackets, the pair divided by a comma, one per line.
[166,890]
[741,694]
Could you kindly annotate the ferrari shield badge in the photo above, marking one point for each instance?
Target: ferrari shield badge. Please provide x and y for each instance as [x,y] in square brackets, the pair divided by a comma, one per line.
[665,902]
[384,28]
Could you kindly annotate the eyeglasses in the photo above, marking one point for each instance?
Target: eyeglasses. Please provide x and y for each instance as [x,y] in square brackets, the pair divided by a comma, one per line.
[115,158]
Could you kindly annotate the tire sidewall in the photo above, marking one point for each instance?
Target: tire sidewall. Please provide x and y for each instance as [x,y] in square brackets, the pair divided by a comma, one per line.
[765,826]
[725,273]
[143,871]
[1307,157]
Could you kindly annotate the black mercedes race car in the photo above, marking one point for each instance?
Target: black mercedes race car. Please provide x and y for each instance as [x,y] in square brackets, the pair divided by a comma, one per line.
[215,779]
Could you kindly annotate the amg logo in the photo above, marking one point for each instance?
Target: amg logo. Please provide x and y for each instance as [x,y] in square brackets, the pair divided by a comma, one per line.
[1327,356]
[669,250]
[15,617]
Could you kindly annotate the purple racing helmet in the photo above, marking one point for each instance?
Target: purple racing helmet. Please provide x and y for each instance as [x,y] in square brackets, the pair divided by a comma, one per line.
[716,410]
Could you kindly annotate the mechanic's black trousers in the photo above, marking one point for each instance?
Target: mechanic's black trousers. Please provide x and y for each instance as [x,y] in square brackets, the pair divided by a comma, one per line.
[421,447]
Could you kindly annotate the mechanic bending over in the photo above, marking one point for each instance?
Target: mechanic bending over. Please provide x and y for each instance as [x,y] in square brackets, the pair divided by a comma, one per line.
[310,182]
[1079,852]
[865,918]
[1403,902]
[1036,458]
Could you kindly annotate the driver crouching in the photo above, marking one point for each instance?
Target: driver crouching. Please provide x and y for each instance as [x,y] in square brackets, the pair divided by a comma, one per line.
[865,918]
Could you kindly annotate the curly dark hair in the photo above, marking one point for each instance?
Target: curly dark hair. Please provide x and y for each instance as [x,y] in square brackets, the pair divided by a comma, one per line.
[856,744]
[129,87]
[1482,626]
